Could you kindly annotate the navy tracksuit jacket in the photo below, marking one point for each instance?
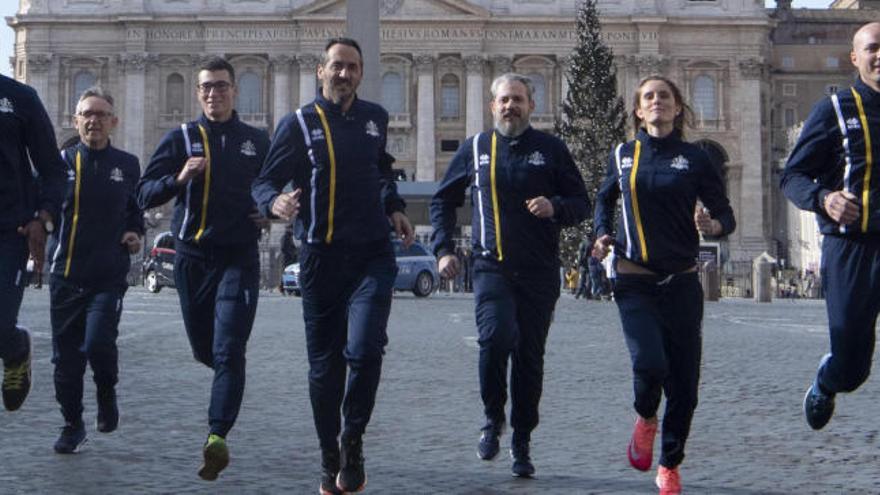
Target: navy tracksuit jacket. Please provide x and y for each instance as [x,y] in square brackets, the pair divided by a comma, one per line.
[216,268]
[659,181]
[347,265]
[89,269]
[26,137]
[516,256]
[837,150]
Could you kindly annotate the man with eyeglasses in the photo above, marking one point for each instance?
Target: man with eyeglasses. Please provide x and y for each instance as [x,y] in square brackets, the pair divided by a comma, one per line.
[101,226]
[208,166]
[31,187]
[333,152]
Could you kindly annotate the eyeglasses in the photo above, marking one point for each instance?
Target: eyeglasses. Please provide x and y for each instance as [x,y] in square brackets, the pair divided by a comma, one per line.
[89,114]
[219,86]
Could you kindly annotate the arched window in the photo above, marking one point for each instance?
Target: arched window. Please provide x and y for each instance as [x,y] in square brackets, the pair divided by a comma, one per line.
[450,97]
[82,81]
[392,93]
[705,101]
[540,94]
[250,94]
[174,94]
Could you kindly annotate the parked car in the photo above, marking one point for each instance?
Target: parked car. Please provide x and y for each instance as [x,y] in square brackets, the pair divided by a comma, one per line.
[158,268]
[416,271]
[290,280]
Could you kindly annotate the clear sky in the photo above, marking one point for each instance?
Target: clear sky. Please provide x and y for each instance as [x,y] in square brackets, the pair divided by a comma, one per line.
[8,8]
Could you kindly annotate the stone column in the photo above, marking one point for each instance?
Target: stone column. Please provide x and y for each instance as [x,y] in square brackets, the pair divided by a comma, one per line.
[747,96]
[425,152]
[563,61]
[650,64]
[37,74]
[134,65]
[362,24]
[501,65]
[474,94]
[308,64]
[281,96]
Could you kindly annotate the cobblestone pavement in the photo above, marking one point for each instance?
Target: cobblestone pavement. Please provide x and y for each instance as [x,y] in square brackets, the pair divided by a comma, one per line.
[748,436]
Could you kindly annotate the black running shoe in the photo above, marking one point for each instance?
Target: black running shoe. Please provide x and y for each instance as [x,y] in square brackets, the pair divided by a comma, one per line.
[818,407]
[73,436]
[522,463]
[17,377]
[352,477]
[489,445]
[108,411]
[329,470]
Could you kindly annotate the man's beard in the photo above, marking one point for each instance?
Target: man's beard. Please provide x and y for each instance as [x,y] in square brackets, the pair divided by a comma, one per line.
[511,128]
[340,92]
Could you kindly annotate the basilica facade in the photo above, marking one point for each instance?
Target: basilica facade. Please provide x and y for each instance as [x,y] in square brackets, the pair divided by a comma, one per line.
[437,60]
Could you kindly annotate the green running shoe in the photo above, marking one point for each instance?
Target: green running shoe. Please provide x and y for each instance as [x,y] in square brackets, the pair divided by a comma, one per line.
[216,457]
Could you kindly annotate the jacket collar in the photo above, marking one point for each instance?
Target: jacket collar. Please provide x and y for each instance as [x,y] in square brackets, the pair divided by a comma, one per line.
[671,139]
[513,141]
[868,94]
[330,107]
[91,152]
[212,126]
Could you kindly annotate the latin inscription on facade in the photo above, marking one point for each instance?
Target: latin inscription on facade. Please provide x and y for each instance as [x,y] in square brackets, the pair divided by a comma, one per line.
[291,34]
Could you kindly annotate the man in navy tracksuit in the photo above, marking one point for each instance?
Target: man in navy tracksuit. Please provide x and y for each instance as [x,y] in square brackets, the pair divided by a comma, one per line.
[524,188]
[101,226]
[333,152]
[29,204]
[208,166]
[833,171]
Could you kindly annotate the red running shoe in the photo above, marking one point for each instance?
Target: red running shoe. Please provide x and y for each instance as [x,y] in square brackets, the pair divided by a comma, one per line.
[641,446]
[668,481]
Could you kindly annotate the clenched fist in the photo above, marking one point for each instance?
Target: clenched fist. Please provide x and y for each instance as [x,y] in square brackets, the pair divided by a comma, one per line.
[286,205]
[193,167]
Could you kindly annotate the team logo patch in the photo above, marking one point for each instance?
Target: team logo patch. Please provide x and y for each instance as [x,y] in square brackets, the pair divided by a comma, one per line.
[6,105]
[116,175]
[248,148]
[71,175]
[853,124]
[317,134]
[197,147]
[626,162]
[372,129]
[537,159]
[679,163]
[484,159]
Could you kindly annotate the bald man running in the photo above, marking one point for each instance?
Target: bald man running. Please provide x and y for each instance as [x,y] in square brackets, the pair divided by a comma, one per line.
[832,171]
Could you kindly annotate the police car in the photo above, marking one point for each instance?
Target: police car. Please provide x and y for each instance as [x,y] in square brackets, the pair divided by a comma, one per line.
[416,271]
[158,268]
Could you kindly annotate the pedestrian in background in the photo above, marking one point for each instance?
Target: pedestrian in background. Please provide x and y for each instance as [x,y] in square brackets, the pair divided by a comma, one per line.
[583,279]
[659,177]
[101,227]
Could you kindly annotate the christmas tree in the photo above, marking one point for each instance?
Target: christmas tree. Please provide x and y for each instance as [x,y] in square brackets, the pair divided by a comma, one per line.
[593,115]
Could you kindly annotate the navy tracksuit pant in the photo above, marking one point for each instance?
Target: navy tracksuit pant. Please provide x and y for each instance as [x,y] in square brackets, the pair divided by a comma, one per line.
[513,312]
[218,289]
[662,319]
[85,325]
[13,276]
[851,280]
[346,294]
